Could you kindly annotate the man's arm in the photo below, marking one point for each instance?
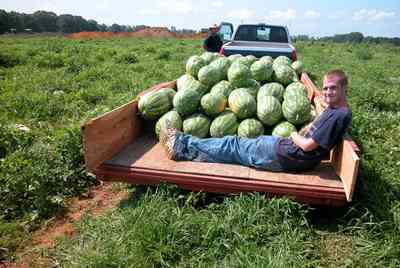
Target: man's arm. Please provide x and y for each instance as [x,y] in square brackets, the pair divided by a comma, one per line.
[306,144]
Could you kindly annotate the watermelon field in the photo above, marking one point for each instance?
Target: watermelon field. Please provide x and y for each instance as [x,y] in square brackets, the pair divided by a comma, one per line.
[49,86]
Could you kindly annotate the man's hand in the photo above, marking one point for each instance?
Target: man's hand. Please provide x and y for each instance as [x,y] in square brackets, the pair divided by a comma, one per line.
[304,129]
[306,144]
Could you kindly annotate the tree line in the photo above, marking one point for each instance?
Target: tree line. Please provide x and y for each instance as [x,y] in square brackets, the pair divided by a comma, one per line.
[353,37]
[45,21]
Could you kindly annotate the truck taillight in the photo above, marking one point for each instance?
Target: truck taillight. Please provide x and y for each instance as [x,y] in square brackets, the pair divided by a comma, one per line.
[294,55]
[221,51]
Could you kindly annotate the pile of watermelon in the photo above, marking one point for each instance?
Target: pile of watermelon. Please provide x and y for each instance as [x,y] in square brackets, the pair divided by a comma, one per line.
[235,95]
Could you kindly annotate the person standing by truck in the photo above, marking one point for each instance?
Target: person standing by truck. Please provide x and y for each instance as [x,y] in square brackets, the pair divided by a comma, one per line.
[296,153]
[213,42]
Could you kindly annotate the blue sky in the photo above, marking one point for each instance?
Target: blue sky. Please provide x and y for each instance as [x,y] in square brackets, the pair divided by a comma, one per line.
[314,18]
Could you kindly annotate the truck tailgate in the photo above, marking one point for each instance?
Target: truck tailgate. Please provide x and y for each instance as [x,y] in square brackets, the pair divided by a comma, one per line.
[258,49]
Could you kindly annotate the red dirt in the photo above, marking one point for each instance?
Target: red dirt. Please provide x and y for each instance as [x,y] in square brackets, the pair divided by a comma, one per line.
[99,199]
[153,32]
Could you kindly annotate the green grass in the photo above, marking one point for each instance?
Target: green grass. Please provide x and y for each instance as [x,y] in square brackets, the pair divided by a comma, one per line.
[52,85]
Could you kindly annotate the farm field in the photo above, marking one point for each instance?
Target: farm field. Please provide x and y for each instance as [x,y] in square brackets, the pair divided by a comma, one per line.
[50,86]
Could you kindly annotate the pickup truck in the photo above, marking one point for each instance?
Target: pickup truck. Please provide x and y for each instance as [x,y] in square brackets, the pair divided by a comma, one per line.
[120,146]
[257,39]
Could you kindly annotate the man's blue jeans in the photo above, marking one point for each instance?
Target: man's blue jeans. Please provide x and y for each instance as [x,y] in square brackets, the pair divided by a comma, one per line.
[258,152]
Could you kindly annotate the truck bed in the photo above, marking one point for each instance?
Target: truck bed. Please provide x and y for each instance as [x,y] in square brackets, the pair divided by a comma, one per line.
[120,146]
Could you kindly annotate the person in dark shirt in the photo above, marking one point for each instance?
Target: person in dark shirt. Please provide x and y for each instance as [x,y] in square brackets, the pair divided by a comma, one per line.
[296,153]
[213,42]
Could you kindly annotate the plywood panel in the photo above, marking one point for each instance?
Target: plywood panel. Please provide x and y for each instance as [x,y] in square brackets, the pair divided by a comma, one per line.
[346,161]
[145,152]
[106,135]
[199,182]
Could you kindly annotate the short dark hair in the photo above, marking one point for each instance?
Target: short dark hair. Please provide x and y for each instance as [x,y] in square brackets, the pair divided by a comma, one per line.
[340,75]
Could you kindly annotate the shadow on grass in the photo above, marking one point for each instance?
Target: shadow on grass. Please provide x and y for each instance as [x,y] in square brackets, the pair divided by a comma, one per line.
[183,197]
[372,203]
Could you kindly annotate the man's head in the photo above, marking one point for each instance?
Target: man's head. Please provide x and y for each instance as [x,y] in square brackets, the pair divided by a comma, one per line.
[334,88]
[214,29]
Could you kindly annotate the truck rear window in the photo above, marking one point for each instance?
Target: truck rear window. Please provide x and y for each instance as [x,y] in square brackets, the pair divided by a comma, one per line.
[261,33]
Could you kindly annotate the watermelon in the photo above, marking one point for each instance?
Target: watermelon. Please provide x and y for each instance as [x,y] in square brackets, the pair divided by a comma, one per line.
[170,91]
[283,129]
[175,119]
[242,103]
[271,89]
[194,64]
[222,64]
[224,87]
[251,59]
[252,86]
[213,103]
[243,60]
[250,128]
[197,125]
[284,74]
[282,60]
[195,85]
[209,75]
[186,101]
[234,57]
[294,89]
[183,80]
[298,66]
[208,57]
[239,74]
[154,104]
[224,124]
[261,70]
[296,110]
[269,110]
[267,59]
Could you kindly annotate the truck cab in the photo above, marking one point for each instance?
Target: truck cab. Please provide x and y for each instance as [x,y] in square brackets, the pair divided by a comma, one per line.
[257,39]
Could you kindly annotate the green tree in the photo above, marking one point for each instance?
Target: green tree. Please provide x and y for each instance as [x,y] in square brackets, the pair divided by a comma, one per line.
[45,21]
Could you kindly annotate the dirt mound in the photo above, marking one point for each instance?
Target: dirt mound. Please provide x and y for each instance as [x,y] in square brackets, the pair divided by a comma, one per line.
[155,32]
[151,32]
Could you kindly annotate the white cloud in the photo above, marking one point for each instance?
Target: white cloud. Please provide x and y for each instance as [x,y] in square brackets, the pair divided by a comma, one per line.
[337,15]
[168,7]
[48,5]
[103,5]
[241,14]
[311,14]
[372,15]
[149,12]
[175,7]
[217,4]
[279,15]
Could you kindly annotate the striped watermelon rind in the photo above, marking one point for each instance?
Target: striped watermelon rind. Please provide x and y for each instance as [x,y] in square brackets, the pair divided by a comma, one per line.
[224,124]
[175,119]
[296,110]
[271,89]
[242,103]
[283,129]
[269,110]
[197,125]
[213,104]
[154,104]
[250,128]
[186,101]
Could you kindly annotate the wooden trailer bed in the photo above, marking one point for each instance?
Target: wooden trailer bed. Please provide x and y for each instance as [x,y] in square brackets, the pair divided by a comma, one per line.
[120,146]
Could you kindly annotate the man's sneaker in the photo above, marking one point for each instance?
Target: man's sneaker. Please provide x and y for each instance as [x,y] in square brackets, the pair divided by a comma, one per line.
[168,137]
